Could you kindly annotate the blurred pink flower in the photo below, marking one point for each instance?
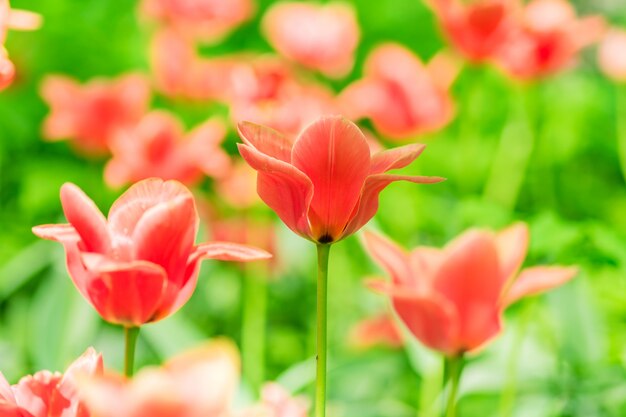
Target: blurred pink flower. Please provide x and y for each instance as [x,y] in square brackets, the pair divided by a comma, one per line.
[48,394]
[477,29]
[547,39]
[612,55]
[90,114]
[17,20]
[325,186]
[375,331]
[238,187]
[159,147]
[205,20]
[452,299]
[323,37]
[402,96]
[142,264]
[277,402]
[197,383]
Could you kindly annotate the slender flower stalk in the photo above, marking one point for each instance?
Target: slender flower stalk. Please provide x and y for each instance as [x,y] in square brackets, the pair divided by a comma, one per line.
[620,114]
[253,324]
[130,340]
[323,252]
[454,367]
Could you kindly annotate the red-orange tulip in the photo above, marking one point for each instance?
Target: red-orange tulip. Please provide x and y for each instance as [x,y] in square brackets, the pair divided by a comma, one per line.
[158,147]
[452,299]
[141,264]
[48,394]
[91,114]
[326,185]
[612,55]
[375,331]
[321,37]
[12,19]
[402,96]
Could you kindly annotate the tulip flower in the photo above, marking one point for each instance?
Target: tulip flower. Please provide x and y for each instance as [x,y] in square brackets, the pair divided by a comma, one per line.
[205,20]
[201,382]
[324,187]
[477,29]
[142,264]
[452,299]
[374,331]
[612,55]
[547,39]
[277,402]
[48,394]
[91,114]
[402,96]
[158,147]
[320,37]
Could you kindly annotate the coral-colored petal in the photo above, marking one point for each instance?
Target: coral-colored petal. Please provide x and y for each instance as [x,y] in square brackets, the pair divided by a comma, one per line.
[424,263]
[7,70]
[512,244]
[34,394]
[368,202]
[23,20]
[86,218]
[284,188]
[265,140]
[204,148]
[334,154]
[57,232]
[7,399]
[227,251]
[89,363]
[391,257]
[395,158]
[537,280]
[380,330]
[469,277]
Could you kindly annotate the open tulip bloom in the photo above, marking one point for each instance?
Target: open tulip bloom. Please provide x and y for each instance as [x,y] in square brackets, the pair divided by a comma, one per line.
[452,299]
[141,264]
[324,187]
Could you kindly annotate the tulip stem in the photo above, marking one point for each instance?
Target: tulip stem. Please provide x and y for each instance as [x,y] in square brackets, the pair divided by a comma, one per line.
[130,337]
[620,114]
[254,323]
[454,368]
[323,251]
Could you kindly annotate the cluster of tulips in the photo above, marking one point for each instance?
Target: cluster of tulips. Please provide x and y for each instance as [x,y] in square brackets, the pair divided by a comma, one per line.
[319,172]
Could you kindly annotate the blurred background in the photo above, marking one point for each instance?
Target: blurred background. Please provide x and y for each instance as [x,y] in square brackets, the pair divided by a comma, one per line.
[562,354]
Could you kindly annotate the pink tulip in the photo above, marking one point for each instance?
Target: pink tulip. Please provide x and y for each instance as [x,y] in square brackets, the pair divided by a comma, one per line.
[277,402]
[612,55]
[206,20]
[91,114]
[477,29]
[321,37]
[452,299]
[140,265]
[548,39]
[158,147]
[197,383]
[325,186]
[402,96]
[48,394]
[375,331]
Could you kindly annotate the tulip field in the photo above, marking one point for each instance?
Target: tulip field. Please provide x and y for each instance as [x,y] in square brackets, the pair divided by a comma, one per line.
[257,208]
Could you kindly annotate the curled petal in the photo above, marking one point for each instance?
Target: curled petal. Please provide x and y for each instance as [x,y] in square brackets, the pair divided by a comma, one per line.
[227,251]
[57,232]
[390,256]
[395,158]
[86,218]
[512,244]
[537,280]
[88,364]
[265,140]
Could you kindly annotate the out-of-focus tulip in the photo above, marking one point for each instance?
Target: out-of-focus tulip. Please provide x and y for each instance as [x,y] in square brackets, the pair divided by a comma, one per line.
[452,299]
[17,20]
[277,402]
[612,55]
[375,331]
[238,188]
[477,29]
[48,394]
[321,37]
[548,39]
[206,20]
[402,96]
[197,383]
[158,147]
[89,115]
[325,186]
[141,264]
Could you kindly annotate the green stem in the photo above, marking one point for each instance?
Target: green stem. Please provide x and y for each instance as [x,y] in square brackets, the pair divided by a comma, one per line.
[454,366]
[130,338]
[254,324]
[323,251]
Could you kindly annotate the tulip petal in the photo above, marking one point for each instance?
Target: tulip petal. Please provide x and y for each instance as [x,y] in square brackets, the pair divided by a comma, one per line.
[89,363]
[126,293]
[57,232]
[469,277]
[227,251]
[512,244]
[536,280]
[86,218]
[392,258]
[395,158]
[265,140]
[7,399]
[284,188]
[424,262]
[368,202]
[335,155]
